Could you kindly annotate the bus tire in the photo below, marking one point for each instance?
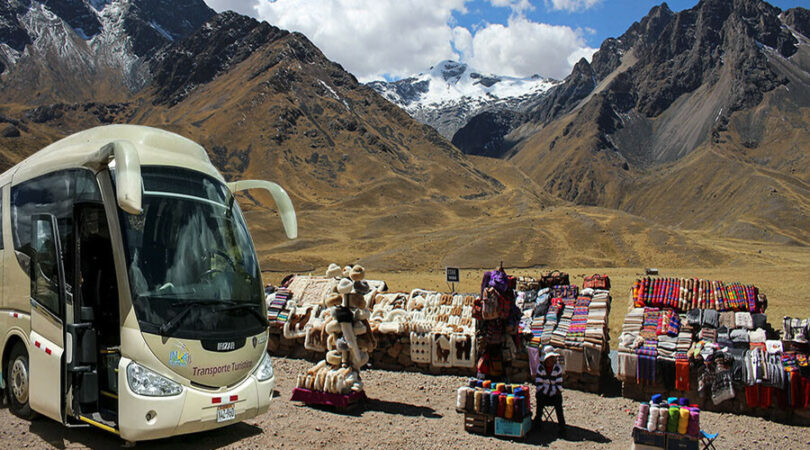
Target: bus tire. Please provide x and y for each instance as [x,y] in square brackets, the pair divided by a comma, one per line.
[18,383]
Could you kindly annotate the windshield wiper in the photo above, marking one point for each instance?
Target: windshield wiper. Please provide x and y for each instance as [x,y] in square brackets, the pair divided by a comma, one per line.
[250,307]
[171,324]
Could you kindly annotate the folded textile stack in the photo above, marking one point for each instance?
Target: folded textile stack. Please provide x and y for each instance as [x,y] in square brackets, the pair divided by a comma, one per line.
[650,322]
[708,334]
[277,306]
[633,321]
[598,311]
[579,320]
[552,318]
[538,324]
[743,319]
[667,345]
[558,336]
[684,341]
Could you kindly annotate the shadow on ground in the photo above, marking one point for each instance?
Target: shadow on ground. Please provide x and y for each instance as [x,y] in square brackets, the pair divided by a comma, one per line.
[549,434]
[383,406]
[58,436]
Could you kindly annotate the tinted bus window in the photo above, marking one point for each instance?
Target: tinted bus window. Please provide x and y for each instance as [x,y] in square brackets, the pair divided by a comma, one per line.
[55,193]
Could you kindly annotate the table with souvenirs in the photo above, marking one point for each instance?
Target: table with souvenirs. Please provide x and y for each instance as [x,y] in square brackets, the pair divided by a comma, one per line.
[712,341]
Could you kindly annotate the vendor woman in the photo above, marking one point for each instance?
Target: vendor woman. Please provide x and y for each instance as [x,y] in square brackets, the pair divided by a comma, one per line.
[549,389]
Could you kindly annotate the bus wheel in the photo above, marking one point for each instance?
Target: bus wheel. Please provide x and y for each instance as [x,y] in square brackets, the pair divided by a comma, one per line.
[18,383]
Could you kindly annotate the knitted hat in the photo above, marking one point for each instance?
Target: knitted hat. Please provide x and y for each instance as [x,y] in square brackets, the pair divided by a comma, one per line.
[334,271]
[334,300]
[357,273]
[345,286]
[361,287]
[334,358]
[342,345]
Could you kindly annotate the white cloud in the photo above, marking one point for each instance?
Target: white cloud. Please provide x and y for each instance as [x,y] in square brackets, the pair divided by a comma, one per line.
[517,6]
[572,5]
[523,48]
[585,52]
[372,37]
[398,38]
[246,7]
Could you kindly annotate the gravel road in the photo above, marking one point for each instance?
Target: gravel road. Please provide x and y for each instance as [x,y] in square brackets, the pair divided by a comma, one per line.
[406,410]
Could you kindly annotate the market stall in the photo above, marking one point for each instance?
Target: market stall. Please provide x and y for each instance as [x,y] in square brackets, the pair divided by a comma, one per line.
[419,330]
[573,321]
[437,332]
[711,341]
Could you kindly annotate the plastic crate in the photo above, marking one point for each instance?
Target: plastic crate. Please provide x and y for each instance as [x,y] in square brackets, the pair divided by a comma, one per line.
[510,428]
[650,438]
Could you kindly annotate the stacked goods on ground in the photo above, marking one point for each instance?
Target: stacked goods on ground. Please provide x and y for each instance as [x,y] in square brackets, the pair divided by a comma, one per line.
[667,423]
[573,321]
[711,339]
[484,402]
[438,332]
[414,329]
[345,334]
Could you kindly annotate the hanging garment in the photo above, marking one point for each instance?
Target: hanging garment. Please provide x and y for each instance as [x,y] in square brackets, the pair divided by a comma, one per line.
[722,387]
[682,375]
[752,396]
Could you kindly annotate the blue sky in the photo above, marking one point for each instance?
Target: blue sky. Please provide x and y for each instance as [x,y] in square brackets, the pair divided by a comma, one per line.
[609,18]
[391,39]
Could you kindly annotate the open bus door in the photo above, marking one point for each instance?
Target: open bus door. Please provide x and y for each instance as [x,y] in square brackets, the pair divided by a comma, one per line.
[47,315]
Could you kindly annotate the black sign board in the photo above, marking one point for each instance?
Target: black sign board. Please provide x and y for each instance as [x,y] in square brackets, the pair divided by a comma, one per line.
[452,274]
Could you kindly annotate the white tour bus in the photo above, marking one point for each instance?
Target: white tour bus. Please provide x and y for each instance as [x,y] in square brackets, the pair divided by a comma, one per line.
[131,295]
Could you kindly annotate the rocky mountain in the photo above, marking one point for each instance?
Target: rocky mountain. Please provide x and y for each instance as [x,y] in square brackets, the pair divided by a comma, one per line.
[74,50]
[375,186]
[449,93]
[690,119]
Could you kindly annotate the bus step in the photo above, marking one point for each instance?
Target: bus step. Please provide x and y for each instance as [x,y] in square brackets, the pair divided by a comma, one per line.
[97,421]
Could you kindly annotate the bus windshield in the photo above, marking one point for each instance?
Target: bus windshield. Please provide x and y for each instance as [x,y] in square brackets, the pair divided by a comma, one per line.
[192,267]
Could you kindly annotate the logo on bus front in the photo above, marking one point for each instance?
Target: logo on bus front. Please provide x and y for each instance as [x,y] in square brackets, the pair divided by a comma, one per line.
[225,346]
[180,357]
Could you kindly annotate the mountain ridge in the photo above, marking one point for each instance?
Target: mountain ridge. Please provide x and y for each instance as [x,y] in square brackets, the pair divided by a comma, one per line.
[373,185]
[450,92]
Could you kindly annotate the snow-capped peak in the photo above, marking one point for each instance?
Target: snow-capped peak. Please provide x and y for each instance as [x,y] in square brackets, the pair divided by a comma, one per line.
[454,88]
[452,81]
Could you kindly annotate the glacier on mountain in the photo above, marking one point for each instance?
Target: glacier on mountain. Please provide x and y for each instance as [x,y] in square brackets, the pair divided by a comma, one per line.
[450,92]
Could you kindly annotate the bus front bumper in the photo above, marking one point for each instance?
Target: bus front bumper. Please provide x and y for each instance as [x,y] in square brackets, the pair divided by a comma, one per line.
[143,418]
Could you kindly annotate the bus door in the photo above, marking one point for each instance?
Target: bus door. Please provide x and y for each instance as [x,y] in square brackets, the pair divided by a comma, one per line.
[47,315]
[95,333]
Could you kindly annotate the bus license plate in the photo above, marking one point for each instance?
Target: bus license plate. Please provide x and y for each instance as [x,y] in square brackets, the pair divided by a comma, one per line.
[226,413]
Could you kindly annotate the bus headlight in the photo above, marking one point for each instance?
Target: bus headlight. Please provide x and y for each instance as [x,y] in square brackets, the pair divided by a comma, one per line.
[265,370]
[143,381]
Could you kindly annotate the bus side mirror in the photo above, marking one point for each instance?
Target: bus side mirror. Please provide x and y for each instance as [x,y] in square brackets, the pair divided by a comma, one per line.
[128,185]
[280,196]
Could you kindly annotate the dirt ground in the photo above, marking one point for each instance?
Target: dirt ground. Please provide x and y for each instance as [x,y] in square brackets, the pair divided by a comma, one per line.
[406,410]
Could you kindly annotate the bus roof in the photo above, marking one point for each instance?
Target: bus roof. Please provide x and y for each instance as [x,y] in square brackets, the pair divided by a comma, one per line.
[154,147]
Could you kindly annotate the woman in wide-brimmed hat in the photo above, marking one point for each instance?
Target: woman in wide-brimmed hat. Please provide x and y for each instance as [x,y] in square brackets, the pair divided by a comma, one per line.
[549,389]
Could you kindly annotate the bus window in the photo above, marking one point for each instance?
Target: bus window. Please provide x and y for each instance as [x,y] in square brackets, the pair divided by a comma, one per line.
[54,193]
[45,279]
